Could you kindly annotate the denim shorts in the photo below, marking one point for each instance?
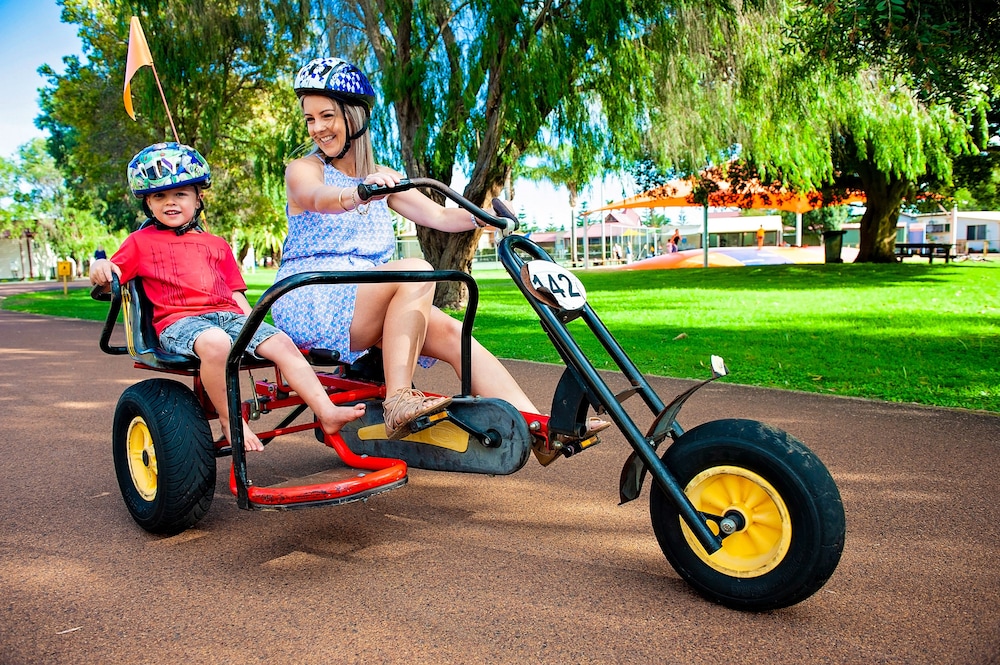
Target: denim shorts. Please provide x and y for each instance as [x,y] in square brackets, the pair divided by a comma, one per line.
[179,336]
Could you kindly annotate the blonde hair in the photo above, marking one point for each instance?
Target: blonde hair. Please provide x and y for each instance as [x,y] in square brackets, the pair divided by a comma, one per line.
[364,153]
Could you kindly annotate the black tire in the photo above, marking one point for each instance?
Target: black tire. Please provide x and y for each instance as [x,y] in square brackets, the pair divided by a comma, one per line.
[164,456]
[793,530]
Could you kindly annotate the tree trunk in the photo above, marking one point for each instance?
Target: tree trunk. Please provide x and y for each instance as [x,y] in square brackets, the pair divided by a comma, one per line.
[449,251]
[885,193]
[455,251]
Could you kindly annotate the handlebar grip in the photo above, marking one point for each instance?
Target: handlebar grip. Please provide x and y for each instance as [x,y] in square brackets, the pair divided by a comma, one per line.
[365,192]
[504,212]
[107,292]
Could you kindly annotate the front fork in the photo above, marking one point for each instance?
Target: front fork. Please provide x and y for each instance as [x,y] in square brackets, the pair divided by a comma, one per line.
[592,388]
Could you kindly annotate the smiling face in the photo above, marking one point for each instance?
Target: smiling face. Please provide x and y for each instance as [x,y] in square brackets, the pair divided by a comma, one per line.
[325,122]
[174,207]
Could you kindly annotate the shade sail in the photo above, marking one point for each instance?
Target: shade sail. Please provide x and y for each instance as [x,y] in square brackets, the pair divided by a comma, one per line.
[738,193]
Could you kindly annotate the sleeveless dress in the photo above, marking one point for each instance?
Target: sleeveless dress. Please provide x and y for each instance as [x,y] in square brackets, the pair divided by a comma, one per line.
[320,316]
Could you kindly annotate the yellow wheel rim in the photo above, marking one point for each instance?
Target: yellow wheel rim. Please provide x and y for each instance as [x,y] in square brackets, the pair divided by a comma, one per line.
[141,458]
[767,532]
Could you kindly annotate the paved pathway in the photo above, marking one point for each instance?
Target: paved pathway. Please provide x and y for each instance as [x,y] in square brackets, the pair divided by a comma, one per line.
[539,567]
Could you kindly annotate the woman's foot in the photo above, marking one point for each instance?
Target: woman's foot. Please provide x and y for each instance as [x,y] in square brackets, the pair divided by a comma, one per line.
[406,405]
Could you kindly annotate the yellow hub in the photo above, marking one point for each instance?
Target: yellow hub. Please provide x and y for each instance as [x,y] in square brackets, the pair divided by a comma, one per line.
[141,458]
[767,530]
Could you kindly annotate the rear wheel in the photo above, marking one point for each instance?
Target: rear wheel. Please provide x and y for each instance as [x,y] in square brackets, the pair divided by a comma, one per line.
[164,456]
[772,493]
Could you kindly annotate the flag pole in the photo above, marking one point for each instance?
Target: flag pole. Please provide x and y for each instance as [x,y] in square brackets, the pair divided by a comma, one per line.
[138,57]
[165,106]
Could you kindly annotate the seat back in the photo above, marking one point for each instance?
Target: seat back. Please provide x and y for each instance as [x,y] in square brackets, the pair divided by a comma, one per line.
[140,337]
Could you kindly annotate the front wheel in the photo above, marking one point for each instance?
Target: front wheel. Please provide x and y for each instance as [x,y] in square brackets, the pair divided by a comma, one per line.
[164,457]
[777,498]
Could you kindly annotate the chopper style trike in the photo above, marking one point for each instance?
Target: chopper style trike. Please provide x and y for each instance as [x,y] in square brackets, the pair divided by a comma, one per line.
[744,512]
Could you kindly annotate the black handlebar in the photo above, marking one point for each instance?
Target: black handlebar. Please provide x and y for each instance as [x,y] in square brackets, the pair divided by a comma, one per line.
[505,220]
[107,292]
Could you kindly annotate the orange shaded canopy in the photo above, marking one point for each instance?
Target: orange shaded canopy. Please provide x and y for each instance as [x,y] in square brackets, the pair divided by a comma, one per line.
[736,192]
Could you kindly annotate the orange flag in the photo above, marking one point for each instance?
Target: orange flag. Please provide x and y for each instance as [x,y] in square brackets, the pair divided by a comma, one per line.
[138,56]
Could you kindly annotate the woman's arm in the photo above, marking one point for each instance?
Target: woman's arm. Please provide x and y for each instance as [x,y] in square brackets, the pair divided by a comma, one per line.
[419,209]
[305,189]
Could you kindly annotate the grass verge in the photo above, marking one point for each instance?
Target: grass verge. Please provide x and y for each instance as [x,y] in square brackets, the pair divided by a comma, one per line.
[908,332]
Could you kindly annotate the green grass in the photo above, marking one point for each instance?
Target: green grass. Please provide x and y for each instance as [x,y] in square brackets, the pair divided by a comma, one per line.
[908,332]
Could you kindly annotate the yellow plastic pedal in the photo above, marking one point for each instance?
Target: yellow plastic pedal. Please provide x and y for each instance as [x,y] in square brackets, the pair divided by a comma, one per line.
[443,435]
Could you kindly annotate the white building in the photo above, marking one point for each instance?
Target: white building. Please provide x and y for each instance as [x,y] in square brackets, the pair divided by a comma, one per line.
[22,257]
[968,231]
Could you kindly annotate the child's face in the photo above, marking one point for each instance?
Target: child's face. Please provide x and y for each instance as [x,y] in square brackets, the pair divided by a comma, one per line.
[325,123]
[174,207]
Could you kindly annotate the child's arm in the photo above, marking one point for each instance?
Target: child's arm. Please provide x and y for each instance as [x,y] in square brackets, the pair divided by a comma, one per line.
[242,301]
[101,271]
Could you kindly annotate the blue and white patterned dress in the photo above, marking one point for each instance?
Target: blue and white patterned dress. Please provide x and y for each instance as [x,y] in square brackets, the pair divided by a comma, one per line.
[320,316]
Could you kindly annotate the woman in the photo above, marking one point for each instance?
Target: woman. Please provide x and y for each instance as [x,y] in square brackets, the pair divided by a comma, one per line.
[330,229]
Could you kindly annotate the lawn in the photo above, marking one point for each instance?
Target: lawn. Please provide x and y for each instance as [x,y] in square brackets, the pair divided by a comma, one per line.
[908,332]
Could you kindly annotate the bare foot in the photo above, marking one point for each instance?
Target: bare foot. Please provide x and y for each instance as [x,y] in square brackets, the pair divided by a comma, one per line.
[332,419]
[250,440]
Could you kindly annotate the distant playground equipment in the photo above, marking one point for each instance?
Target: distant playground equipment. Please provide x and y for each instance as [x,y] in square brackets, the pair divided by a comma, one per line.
[739,256]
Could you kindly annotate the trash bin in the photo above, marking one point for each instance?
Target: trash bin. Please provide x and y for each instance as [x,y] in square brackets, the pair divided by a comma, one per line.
[833,242]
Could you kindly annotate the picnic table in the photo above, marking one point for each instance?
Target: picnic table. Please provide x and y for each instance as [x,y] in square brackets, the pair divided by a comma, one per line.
[928,250]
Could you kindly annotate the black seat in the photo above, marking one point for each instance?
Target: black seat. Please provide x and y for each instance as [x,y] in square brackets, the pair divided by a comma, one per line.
[141,338]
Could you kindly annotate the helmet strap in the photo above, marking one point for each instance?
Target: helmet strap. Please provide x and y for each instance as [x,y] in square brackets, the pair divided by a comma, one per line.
[350,137]
[193,224]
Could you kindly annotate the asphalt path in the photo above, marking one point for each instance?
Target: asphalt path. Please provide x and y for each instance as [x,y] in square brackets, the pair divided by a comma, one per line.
[542,566]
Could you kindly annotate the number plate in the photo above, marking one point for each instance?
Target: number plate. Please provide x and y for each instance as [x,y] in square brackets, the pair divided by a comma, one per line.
[552,280]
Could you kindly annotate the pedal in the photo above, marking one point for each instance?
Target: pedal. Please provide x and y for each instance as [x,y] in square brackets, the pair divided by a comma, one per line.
[546,452]
[443,434]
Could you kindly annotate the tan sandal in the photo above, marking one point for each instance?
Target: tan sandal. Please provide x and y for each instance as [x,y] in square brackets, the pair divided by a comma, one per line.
[405,406]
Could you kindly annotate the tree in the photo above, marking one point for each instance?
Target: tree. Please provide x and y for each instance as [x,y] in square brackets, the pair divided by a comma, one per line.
[37,201]
[223,66]
[31,188]
[946,49]
[476,84]
[733,80]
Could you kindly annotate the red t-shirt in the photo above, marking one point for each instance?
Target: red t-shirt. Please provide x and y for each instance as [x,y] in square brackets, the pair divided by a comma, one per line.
[184,275]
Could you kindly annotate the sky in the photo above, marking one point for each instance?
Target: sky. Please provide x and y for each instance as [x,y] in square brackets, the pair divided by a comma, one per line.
[31,35]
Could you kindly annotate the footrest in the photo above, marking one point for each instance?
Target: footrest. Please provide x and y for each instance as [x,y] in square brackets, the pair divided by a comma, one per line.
[365,476]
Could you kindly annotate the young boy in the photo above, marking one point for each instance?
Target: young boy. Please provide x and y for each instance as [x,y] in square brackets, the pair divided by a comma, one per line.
[195,286]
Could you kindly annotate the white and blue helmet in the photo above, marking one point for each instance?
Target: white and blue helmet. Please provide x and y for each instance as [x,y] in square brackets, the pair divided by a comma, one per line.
[335,78]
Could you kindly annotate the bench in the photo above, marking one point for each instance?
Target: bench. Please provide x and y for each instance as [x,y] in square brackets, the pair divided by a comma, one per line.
[928,250]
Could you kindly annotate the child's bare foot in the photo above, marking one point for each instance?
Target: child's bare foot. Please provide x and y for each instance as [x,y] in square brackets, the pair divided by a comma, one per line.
[332,419]
[250,440]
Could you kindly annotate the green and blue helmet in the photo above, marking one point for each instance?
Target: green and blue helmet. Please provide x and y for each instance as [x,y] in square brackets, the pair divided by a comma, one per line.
[167,166]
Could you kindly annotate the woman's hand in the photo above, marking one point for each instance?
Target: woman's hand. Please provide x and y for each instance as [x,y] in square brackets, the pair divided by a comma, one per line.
[382,179]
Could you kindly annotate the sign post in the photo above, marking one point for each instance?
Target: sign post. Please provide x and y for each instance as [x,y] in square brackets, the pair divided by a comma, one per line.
[64,270]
